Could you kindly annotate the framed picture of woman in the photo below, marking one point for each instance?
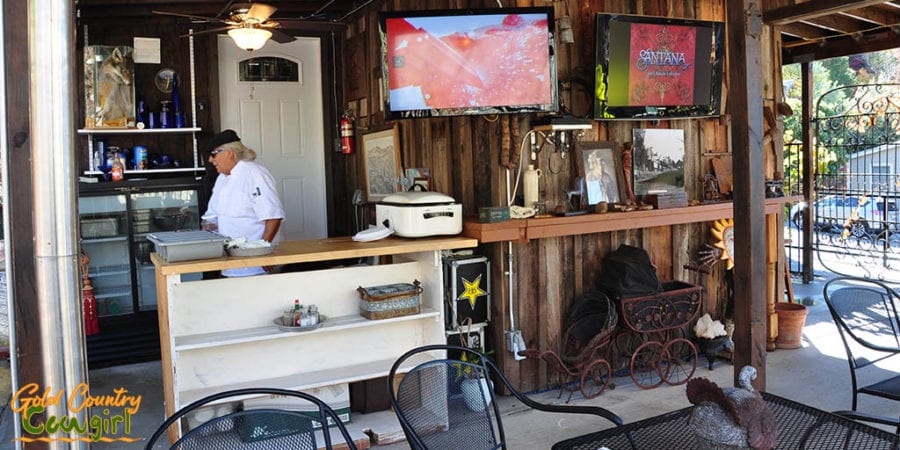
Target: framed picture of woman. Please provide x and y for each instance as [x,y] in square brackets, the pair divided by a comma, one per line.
[600,166]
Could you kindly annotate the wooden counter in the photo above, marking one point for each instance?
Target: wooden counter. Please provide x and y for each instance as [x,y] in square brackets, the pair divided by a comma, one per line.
[523,230]
[328,249]
[217,335]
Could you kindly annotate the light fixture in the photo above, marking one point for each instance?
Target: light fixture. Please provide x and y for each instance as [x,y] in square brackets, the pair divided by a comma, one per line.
[250,38]
[566,36]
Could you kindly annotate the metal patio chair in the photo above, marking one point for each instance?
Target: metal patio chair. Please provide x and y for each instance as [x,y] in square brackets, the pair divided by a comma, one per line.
[259,429]
[865,312]
[445,401]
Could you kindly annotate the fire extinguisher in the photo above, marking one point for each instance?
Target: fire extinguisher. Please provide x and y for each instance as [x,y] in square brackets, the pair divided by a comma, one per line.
[347,143]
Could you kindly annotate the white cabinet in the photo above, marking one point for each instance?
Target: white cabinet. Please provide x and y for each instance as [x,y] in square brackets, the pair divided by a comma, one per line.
[220,334]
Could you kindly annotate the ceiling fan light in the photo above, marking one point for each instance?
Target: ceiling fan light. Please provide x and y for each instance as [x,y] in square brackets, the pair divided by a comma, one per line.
[250,38]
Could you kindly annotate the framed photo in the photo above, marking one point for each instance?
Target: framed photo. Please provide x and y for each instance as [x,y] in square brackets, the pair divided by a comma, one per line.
[381,162]
[600,166]
[658,160]
[421,184]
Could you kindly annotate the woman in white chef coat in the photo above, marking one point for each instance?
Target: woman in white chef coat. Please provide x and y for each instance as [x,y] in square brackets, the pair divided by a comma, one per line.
[244,201]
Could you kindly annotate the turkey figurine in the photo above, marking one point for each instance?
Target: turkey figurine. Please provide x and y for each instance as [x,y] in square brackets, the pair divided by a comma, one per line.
[730,418]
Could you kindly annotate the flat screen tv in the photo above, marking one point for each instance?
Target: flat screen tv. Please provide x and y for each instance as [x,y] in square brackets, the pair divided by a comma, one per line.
[468,62]
[651,68]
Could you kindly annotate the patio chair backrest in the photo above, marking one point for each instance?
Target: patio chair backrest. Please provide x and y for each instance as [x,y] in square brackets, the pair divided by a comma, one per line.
[445,399]
[865,313]
[297,426]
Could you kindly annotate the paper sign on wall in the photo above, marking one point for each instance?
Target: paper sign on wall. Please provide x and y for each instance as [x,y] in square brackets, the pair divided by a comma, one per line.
[146,50]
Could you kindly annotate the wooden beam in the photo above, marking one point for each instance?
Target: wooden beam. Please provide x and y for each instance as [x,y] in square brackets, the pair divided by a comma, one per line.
[837,23]
[838,46]
[811,9]
[803,31]
[744,25]
[28,351]
[806,78]
[874,15]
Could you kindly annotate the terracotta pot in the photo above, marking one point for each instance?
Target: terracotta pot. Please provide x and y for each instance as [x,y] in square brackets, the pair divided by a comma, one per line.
[791,319]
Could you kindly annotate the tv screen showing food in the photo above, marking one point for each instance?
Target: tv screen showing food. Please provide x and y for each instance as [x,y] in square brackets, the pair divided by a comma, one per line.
[657,68]
[464,62]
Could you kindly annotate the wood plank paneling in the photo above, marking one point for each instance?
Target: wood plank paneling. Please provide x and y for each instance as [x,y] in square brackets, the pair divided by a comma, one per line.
[464,155]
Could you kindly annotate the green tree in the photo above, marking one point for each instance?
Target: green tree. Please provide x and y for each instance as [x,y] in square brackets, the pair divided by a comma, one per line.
[834,140]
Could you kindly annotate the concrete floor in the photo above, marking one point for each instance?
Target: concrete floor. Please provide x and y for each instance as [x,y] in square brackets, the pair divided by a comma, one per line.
[816,374]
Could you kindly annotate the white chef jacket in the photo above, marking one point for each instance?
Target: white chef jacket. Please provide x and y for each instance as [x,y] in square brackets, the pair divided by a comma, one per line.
[241,203]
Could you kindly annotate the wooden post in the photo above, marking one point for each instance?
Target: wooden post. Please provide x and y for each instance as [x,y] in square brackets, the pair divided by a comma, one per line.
[772,227]
[809,174]
[745,106]
[21,279]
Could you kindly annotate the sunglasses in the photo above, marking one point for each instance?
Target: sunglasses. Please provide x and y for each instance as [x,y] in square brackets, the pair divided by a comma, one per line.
[215,152]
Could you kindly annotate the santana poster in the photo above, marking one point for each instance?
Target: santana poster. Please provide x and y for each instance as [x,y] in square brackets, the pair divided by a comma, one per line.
[662,65]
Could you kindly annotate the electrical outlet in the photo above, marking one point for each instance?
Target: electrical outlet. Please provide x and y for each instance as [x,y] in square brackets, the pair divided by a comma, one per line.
[515,343]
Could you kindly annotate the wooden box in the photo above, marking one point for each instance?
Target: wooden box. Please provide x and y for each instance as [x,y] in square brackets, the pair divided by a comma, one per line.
[666,200]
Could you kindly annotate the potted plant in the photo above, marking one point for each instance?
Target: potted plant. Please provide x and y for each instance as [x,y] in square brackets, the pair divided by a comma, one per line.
[474,386]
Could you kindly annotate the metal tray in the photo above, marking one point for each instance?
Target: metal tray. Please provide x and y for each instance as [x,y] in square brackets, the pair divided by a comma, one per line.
[281,327]
[258,251]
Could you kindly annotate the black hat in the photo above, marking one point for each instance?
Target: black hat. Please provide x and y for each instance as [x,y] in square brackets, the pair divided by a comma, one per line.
[221,139]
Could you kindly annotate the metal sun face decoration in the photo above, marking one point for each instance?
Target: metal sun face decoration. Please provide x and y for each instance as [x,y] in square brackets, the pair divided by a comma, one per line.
[723,231]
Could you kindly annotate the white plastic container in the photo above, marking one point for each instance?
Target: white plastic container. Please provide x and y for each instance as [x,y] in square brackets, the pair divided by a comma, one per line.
[420,214]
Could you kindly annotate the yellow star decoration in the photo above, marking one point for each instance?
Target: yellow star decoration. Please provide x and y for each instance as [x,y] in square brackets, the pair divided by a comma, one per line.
[723,231]
[473,291]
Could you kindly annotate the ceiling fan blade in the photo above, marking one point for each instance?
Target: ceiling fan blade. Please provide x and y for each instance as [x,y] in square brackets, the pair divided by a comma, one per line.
[208,19]
[212,30]
[260,11]
[280,36]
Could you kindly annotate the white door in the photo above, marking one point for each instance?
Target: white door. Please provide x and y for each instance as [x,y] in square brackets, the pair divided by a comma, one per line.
[282,121]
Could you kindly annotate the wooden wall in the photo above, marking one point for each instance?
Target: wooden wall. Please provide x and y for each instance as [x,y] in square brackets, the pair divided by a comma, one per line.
[464,155]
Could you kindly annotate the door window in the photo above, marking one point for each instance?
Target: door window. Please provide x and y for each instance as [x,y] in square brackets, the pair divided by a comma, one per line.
[268,69]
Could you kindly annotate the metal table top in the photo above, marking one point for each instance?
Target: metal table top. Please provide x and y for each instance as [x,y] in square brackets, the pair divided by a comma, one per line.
[799,427]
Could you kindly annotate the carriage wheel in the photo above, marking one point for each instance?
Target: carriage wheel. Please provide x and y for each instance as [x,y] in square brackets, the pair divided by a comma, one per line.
[645,365]
[595,378]
[678,361]
[623,347]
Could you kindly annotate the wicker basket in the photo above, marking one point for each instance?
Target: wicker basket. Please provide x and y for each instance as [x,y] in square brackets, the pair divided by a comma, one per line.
[391,300]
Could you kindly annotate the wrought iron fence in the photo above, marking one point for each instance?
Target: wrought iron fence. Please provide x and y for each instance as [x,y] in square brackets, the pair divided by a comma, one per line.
[856,220]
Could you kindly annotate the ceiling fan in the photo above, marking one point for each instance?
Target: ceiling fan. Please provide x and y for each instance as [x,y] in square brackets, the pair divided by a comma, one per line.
[247,23]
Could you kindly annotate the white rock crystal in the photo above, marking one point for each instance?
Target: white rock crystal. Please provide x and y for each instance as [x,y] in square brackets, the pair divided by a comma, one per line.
[708,328]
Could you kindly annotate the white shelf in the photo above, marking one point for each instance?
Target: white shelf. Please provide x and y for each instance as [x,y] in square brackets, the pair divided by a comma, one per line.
[136,172]
[226,338]
[350,373]
[137,131]
[103,239]
[109,271]
[124,291]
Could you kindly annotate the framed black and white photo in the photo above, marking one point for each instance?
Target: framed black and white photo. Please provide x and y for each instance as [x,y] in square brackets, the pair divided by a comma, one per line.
[600,166]
[658,161]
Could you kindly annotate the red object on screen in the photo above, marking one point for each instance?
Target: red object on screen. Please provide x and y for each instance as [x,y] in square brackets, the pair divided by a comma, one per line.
[504,63]
[662,65]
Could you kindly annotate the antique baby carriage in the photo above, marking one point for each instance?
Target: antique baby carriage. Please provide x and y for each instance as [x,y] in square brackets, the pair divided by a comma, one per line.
[582,359]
